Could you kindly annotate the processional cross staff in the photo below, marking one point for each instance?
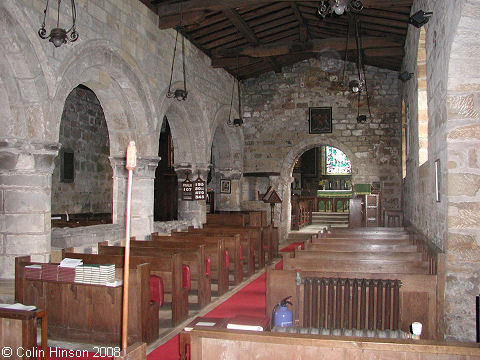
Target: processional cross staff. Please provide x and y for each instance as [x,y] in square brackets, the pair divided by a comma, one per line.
[130,165]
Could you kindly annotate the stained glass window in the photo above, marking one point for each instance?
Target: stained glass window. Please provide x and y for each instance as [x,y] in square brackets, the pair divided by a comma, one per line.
[337,162]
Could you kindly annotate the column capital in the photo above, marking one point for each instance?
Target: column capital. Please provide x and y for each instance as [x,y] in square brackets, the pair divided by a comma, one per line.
[145,167]
[229,173]
[182,170]
[28,156]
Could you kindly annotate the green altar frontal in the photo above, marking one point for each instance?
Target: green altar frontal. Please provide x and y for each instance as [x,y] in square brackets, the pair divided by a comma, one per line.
[334,200]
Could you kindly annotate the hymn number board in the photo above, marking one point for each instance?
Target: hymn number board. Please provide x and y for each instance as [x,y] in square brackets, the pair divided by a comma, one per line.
[199,190]
[195,190]
[187,190]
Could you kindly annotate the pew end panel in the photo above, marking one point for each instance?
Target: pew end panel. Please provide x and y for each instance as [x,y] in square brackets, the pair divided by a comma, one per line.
[213,344]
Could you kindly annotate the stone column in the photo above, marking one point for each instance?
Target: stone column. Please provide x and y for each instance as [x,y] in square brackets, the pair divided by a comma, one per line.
[25,201]
[142,194]
[229,202]
[192,211]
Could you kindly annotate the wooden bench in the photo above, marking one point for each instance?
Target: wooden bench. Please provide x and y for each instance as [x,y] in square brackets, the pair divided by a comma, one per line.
[256,235]
[195,258]
[91,313]
[224,344]
[361,266]
[216,251]
[418,299]
[168,267]
[232,245]
[357,255]
[249,219]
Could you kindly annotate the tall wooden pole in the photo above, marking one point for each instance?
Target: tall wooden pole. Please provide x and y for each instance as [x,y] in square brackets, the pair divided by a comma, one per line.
[130,165]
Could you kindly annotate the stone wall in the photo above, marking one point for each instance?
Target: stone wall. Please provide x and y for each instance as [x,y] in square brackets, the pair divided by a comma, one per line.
[453,113]
[84,131]
[276,128]
[125,59]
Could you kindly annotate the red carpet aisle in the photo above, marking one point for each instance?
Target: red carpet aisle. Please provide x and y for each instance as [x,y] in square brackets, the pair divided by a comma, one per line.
[249,301]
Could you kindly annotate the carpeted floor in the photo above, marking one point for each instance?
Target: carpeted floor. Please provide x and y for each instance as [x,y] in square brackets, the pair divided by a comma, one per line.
[249,301]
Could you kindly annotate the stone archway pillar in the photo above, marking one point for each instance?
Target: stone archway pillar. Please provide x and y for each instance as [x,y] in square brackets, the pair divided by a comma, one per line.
[25,201]
[229,202]
[282,211]
[142,194]
[192,211]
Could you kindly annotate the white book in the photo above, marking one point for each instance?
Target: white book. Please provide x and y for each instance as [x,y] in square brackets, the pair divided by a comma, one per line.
[18,306]
[244,327]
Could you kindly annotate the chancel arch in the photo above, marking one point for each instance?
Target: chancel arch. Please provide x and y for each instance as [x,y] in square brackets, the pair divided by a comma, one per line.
[286,178]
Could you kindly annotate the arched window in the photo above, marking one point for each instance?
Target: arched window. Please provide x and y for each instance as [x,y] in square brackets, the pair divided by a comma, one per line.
[422,99]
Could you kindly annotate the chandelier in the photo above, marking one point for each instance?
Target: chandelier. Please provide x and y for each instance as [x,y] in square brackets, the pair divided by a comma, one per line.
[338,7]
[178,94]
[59,36]
[238,121]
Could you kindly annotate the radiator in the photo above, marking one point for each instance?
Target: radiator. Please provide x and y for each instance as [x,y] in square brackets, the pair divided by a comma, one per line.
[336,303]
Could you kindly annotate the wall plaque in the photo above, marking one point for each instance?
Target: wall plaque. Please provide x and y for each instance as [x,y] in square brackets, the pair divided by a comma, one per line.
[187,190]
[199,189]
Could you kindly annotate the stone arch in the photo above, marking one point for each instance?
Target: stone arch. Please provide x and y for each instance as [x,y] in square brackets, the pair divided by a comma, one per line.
[460,178]
[116,81]
[25,76]
[188,125]
[233,145]
[285,178]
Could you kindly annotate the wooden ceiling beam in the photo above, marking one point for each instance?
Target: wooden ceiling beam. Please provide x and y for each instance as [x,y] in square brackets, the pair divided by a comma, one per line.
[248,33]
[303,28]
[316,45]
[215,5]
[170,21]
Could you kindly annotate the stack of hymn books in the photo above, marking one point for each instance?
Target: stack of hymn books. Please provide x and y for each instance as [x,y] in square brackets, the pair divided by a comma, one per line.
[66,269]
[33,272]
[95,274]
[50,272]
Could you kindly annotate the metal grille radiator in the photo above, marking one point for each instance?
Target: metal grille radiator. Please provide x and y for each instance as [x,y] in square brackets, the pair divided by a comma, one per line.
[336,303]
[382,334]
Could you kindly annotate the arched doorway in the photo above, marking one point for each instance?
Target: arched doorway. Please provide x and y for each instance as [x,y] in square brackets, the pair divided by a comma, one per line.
[82,188]
[165,184]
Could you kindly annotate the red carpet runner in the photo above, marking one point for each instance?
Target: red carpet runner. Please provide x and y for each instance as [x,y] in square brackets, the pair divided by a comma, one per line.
[249,301]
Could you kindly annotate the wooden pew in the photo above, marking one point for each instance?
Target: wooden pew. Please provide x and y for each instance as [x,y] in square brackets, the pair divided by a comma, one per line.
[91,313]
[249,219]
[168,267]
[195,258]
[232,245]
[247,244]
[357,255]
[417,299]
[359,266]
[216,251]
[254,235]
[224,344]
[349,247]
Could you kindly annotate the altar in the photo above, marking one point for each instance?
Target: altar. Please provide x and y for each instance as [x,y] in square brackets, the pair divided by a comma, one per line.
[334,200]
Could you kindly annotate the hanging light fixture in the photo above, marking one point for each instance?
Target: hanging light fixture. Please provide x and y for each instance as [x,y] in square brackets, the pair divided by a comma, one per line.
[58,35]
[338,7]
[239,121]
[179,94]
[359,86]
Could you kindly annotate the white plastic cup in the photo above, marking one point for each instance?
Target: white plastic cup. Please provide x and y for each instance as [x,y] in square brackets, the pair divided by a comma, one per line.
[417,328]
